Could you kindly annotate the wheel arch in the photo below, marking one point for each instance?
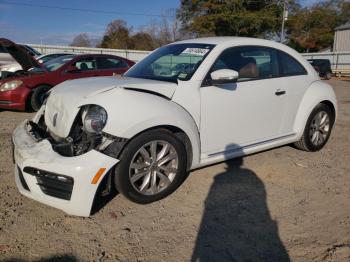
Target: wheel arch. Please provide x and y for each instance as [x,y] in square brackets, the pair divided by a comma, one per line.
[178,133]
[331,106]
[30,93]
[133,113]
[318,92]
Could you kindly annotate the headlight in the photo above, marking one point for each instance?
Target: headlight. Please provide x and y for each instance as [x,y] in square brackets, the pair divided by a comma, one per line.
[94,118]
[10,85]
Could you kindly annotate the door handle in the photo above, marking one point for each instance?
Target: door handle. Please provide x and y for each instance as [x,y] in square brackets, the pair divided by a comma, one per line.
[280,92]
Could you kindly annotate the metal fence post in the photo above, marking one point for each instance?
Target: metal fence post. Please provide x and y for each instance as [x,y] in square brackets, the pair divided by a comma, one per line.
[337,61]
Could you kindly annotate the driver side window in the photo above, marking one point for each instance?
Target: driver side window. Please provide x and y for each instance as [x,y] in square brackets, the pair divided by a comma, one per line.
[251,63]
[85,64]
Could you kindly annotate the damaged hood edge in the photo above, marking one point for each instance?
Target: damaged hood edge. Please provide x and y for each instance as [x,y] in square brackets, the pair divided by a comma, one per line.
[66,98]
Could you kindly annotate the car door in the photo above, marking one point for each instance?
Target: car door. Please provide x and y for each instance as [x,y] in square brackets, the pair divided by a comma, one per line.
[107,66]
[296,80]
[247,112]
[80,68]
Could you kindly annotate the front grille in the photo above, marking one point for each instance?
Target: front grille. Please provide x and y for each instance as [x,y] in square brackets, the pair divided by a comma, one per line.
[23,181]
[52,184]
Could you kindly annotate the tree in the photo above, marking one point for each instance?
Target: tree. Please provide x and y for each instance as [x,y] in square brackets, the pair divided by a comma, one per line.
[312,29]
[143,41]
[164,30]
[230,17]
[117,35]
[81,40]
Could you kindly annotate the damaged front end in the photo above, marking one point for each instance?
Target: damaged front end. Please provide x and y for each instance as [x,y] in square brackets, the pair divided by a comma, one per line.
[85,134]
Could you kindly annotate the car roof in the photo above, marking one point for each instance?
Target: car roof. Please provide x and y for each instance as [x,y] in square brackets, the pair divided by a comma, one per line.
[217,40]
[77,56]
[225,41]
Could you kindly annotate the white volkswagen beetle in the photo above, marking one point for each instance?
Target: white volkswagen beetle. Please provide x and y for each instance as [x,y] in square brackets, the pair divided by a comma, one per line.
[186,105]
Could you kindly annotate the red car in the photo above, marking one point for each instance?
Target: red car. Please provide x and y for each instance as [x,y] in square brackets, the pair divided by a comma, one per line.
[28,88]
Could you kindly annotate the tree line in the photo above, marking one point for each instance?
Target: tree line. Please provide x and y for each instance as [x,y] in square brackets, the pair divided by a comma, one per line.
[307,29]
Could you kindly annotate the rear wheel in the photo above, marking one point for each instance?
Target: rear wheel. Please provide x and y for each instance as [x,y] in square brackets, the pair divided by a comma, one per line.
[328,75]
[38,96]
[152,166]
[317,130]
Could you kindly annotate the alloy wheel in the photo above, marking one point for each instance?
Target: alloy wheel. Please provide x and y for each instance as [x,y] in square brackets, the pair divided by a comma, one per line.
[153,167]
[319,128]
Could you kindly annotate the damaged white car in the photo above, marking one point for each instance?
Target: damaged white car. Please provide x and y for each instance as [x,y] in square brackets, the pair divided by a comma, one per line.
[186,105]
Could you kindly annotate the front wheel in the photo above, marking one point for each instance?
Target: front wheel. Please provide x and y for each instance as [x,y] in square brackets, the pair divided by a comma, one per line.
[317,130]
[38,96]
[152,166]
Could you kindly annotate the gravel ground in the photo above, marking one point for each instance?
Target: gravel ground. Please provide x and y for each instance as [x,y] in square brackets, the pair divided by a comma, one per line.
[279,205]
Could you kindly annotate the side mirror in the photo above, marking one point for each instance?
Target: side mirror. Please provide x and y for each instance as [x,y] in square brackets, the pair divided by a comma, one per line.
[224,76]
[72,69]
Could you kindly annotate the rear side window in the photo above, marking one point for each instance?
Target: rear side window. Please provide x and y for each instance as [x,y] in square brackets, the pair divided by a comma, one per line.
[110,63]
[289,66]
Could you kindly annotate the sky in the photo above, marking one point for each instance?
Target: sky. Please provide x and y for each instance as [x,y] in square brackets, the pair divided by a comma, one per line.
[29,21]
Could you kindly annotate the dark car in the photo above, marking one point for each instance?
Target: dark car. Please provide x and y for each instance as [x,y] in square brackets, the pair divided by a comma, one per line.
[31,50]
[322,66]
[28,88]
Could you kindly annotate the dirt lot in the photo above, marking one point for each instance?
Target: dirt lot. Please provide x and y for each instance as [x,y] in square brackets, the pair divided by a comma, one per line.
[273,206]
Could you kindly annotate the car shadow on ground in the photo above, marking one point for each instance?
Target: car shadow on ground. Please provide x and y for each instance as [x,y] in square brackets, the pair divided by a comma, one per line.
[103,196]
[236,223]
[55,258]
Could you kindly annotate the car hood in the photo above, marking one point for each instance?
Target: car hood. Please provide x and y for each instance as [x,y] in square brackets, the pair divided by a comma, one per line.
[19,54]
[66,98]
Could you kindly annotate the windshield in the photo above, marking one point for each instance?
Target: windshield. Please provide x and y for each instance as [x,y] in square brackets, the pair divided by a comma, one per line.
[56,63]
[172,62]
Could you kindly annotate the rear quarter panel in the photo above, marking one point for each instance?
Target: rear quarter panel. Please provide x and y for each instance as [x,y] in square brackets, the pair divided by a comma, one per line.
[319,91]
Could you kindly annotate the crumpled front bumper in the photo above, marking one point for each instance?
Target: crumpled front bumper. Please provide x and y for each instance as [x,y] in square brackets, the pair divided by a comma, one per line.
[29,154]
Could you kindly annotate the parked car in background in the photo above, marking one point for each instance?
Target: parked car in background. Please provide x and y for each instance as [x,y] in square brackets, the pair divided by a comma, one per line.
[323,67]
[6,58]
[28,88]
[186,105]
[32,51]
[14,67]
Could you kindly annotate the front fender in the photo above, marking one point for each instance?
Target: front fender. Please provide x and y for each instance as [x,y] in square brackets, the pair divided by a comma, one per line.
[316,93]
[132,112]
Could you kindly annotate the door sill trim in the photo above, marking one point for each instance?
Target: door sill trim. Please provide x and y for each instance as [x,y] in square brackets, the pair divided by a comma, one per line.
[229,151]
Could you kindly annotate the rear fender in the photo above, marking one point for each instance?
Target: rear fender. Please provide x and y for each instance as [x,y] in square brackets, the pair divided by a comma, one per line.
[316,93]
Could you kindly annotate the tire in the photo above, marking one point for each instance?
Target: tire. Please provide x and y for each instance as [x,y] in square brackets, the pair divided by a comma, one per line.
[328,75]
[38,96]
[133,161]
[310,141]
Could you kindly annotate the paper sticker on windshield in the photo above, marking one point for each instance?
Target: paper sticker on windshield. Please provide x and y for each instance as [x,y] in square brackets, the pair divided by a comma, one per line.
[195,51]
[182,75]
